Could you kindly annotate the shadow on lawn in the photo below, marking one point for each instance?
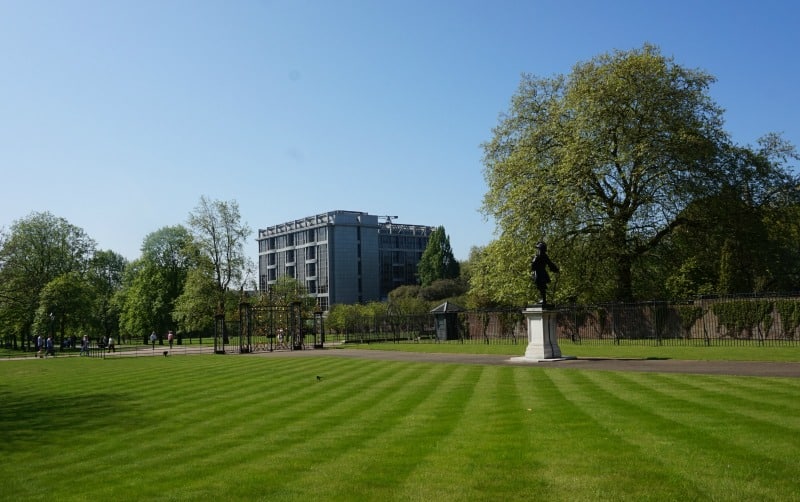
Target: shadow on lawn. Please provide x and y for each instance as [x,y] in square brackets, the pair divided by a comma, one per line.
[27,418]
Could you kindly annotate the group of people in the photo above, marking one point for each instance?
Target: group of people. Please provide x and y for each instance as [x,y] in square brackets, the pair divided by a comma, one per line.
[154,339]
[45,347]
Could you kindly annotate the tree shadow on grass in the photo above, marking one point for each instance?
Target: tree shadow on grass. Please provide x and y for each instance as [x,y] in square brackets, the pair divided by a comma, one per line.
[27,418]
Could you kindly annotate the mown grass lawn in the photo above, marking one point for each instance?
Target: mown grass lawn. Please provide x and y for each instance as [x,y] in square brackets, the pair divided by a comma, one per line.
[265,428]
[748,352]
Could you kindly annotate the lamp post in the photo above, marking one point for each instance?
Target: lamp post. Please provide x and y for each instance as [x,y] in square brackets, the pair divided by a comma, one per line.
[52,329]
[319,329]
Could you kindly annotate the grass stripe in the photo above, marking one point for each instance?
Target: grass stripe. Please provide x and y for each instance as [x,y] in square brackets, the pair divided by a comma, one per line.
[689,447]
[616,455]
[264,428]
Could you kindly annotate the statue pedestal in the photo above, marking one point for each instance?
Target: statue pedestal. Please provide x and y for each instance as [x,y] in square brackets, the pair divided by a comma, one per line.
[542,337]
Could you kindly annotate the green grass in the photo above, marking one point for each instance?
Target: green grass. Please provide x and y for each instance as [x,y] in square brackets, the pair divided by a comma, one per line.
[132,346]
[264,428]
[698,352]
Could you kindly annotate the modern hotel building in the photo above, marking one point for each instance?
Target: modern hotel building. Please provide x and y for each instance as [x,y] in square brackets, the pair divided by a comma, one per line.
[342,256]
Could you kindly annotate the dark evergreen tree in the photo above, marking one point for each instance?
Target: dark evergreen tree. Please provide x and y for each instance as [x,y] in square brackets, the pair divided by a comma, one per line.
[437,260]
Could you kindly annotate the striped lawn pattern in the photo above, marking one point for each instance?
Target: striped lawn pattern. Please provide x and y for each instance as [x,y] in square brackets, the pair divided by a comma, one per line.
[265,428]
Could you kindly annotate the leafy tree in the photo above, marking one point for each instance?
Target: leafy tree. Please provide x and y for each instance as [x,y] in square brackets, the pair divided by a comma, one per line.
[486,289]
[220,236]
[65,307]
[105,275]
[467,266]
[404,291]
[285,291]
[437,261]
[154,282]
[745,237]
[442,289]
[36,250]
[195,307]
[688,280]
[408,306]
[602,164]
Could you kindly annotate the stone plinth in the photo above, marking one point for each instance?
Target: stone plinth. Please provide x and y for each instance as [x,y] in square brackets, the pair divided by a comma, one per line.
[542,336]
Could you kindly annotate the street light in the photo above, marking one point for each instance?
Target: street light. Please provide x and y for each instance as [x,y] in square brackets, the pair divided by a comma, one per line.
[52,330]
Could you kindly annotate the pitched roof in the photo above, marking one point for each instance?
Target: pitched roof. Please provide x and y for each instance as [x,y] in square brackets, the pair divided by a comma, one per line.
[447,307]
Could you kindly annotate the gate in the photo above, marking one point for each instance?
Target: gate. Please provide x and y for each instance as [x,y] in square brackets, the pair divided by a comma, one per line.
[264,328]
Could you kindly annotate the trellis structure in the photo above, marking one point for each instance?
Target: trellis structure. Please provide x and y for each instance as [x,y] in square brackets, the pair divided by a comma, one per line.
[265,328]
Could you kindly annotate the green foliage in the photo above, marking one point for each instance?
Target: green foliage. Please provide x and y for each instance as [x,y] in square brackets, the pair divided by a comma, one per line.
[37,250]
[49,266]
[606,163]
[437,261]
[285,291]
[153,283]
[689,315]
[65,305]
[220,235]
[688,281]
[442,289]
[744,317]
[196,306]
[744,237]
[789,312]
[607,153]
[353,318]
[407,301]
[105,275]
[500,277]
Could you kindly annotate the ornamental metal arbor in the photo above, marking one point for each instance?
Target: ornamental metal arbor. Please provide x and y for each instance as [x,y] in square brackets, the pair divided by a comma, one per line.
[266,328]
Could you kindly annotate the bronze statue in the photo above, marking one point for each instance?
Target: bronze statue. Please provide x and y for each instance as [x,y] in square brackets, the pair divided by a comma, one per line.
[539,265]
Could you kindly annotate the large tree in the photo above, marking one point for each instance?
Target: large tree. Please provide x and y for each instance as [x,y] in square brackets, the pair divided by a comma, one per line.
[220,236]
[105,275]
[744,238]
[599,163]
[154,282]
[437,261]
[37,250]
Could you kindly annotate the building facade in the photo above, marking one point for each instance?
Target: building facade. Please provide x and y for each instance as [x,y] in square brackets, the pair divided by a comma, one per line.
[342,256]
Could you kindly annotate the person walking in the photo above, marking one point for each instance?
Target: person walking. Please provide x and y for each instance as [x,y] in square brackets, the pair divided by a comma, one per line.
[170,337]
[50,347]
[153,338]
[85,345]
[111,347]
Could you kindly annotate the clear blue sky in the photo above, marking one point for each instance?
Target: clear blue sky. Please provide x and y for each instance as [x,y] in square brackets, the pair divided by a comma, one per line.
[119,114]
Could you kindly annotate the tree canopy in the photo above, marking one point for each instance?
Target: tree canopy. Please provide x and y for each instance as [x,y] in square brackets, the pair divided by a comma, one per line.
[37,255]
[437,261]
[603,164]
[154,282]
[220,235]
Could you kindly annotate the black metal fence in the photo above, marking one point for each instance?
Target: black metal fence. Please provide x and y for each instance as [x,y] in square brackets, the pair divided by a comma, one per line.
[773,320]
[751,320]
[762,320]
